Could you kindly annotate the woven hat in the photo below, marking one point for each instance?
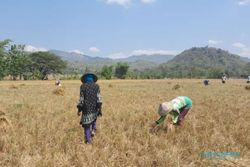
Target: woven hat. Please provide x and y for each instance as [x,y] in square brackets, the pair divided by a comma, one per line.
[164,108]
[95,78]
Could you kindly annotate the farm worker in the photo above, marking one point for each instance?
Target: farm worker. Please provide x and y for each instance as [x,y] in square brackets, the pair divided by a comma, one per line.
[177,108]
[206,82]
[90,105]
[58,83]
[223,78]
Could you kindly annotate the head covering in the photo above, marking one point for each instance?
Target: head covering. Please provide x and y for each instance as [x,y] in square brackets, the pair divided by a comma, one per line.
[89,78]
[164,108]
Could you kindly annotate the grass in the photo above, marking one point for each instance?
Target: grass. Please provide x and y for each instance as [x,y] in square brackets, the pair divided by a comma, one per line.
[44,128]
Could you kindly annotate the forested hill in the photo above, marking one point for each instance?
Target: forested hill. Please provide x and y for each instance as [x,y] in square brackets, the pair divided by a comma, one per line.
[204,61]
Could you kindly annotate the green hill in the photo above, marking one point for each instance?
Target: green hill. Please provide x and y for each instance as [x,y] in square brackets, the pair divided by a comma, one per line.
[204,62]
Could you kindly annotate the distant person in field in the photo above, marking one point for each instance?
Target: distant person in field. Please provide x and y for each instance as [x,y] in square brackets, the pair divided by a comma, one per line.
[177,108]
[58,83]
[206,82]
[89,105]
[223,78]
[248,81]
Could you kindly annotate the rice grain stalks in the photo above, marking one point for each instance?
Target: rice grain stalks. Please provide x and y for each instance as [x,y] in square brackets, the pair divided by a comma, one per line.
[59,91]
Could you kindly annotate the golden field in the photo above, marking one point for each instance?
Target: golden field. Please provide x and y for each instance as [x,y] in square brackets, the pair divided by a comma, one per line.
[39,125]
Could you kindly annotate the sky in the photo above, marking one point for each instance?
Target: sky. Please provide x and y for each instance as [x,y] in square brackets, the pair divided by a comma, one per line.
[121,28]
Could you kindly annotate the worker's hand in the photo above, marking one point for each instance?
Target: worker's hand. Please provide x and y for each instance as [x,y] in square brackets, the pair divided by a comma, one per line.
[171,128]
[153,127]
[99,111]
[78,113]
[79,107]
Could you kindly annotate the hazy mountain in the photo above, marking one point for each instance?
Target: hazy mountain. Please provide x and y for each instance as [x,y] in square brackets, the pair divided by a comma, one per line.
[245,59]
[77,57]
[155,58]
[197,60]
[140,62]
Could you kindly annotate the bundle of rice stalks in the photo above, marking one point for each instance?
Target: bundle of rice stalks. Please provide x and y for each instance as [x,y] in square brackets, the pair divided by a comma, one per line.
[59,91]
[1,113]
[13,87]
[4,122]
[177,86]
[247,87]
[110,86]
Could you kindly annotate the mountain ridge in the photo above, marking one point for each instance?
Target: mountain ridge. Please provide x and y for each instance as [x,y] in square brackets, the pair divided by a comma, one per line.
[139,62]
[200,61]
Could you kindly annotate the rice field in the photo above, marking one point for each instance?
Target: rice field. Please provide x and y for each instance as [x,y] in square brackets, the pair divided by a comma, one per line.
[39,126]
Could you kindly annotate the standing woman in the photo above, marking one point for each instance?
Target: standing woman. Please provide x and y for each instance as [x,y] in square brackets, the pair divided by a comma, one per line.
[89,105]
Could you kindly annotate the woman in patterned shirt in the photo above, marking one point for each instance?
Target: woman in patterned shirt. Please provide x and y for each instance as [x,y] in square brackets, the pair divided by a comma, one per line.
[89,105]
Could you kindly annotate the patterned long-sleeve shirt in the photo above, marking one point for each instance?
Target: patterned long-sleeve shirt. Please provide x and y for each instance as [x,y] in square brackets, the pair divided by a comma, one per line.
[89,98]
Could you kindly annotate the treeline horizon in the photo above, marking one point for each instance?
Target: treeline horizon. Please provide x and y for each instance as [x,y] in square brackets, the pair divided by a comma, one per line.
[16,64]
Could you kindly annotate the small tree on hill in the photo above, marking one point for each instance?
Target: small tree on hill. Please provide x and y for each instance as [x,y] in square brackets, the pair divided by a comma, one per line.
[107,71]
[121,70]
[17,61]
[3,57]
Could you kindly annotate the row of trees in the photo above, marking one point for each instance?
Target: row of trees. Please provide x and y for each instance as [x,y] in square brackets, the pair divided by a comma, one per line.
[18,64]
[15,63]
[120,71]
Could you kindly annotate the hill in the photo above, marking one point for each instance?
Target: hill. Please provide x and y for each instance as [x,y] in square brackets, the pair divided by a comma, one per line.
[155,58]
[81,62]
[204,61]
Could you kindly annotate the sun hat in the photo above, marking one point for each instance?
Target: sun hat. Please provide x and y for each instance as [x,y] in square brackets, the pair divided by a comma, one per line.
[87,76]
[164,108]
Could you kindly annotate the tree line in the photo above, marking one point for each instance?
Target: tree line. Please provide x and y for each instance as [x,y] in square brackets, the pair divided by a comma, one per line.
[15,63]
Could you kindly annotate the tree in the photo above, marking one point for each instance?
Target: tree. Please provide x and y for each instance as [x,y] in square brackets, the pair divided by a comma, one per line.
[247,68]
[3,56]
[17,61]
[214,73]
[45,63]
[107,71]
[121,70]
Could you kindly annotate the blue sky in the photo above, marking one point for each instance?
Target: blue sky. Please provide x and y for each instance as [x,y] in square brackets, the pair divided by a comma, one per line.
[120,28]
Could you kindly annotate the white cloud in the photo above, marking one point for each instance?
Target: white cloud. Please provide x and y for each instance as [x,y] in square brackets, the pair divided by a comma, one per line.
[239,45]
[153,51]
[243,49]
[77,51]
[124,3]
[213,42]
[94,49]
[243,2]
[148,1]
[118,55]
[29,48]
[127,3]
